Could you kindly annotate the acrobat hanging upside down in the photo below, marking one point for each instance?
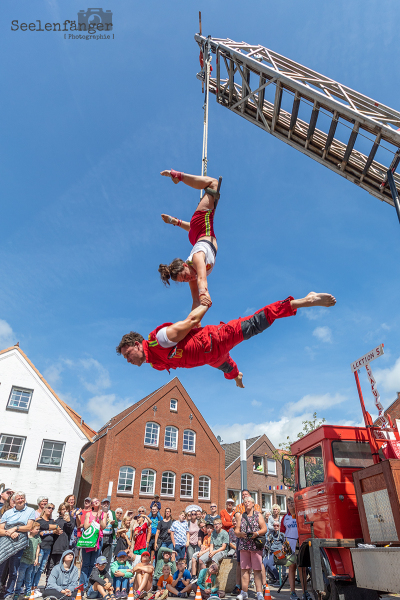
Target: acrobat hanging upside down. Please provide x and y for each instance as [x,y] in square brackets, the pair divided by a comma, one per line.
[186,345]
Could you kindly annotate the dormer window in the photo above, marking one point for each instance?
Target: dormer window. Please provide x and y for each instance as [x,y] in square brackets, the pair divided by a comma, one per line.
[173,405]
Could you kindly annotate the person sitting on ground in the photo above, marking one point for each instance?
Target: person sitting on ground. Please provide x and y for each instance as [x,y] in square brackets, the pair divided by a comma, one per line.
[143,573]
[208,583]
[168,558]
[121,572]
[185,344]
[156,502]
[29,561]
[64,578]
[180,585]
[218,546]
[162,582]
[142,533]
[274,543]
[227,514]
[204,548]
[100,580]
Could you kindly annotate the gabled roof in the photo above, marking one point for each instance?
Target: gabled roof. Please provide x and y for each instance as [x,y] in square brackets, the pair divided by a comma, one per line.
[86,430]
[232,451]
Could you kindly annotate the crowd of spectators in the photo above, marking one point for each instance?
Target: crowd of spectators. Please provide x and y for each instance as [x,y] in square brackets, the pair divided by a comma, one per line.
[105,553]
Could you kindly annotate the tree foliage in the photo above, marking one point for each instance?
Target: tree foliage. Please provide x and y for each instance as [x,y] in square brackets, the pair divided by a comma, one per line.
[284,447]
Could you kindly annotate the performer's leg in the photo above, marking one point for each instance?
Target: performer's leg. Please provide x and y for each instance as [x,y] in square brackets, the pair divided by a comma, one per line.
[197,182]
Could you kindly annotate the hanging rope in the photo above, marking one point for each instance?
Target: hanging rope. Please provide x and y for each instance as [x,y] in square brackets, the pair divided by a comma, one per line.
[205,63]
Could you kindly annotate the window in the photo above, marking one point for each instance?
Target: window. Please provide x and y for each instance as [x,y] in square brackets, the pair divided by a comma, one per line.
[271,464]
[281,500]
[126,478]
[51,454]
[235,495]
[204,487]
[258,464]
[254,496]
[311,468]
[173,405]
[168,483]
[151,435]
[189,439]
[11,448]
[20,399]
[171,438]
[147,481]
[266,500]
[187,486]
[352,454]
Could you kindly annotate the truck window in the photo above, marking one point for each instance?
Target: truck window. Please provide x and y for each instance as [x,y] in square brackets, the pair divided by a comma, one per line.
[352,454]
[311,468]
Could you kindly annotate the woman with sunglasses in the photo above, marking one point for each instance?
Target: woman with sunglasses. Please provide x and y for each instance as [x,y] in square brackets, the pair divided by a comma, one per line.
[90,555]
[201,261]
[49,531]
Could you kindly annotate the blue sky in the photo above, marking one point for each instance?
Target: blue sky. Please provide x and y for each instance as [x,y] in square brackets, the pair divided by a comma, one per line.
[86,128]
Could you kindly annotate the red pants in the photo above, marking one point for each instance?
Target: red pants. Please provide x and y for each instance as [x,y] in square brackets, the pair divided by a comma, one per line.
[228,335]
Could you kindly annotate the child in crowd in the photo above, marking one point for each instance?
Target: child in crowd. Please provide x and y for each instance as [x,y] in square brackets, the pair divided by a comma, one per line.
[168,558]
[121,572]
[29,560]
[232,539]
[164,580]
[156,502]
[142,535]
[180,534]
[208,583]
[180,585]
[205,546]
[64,578]
[143,572]
[100,580]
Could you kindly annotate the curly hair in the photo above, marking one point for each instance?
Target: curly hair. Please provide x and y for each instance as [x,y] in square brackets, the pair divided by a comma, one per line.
[171,271]
[129,339]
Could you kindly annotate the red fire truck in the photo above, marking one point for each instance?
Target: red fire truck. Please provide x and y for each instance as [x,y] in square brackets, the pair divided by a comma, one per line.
[347,491]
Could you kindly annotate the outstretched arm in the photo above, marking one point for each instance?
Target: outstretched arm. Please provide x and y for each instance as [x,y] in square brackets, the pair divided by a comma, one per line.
[177,222]
[179,330]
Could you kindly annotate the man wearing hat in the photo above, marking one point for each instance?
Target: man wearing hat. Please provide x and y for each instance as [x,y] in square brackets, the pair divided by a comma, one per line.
[100,580]
[227,514]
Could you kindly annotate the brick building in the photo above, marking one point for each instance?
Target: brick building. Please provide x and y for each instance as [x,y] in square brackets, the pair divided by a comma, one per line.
[393,410]
[264,473]
[159,445]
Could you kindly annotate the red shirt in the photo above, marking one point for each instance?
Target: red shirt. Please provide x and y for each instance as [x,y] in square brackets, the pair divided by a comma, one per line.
[226,519]
[201,224]
[141,536]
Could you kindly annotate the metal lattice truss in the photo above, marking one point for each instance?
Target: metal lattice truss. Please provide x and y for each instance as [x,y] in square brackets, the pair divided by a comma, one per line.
[363,116]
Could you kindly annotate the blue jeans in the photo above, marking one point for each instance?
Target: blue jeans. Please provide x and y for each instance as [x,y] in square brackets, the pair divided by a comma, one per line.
[121,583]
[92,594]
[43,558]
[270,565]
[180,552]
[26,574]
[88,562]
[13,564]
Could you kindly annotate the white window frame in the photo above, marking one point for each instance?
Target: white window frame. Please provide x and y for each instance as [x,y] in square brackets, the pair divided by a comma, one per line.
[262,463]
[152,492]
[209,487]
[158,434]
[263,504]
[180,487]
[164,495]
[171,408]
[269,463]
[19,389]
[194,441]
[48,466]
[4,461]
[284,509]
[126,491]
[176,440]
[254,496]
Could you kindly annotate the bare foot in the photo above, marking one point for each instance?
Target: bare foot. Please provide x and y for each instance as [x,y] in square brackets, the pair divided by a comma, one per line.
[315,299]
[238,380]
[167,173]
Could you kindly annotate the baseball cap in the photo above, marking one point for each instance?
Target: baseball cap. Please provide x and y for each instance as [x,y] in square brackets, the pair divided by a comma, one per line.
[122,553]
[88,498]
[230,500]
[101,560]
[145,553]
[105,500]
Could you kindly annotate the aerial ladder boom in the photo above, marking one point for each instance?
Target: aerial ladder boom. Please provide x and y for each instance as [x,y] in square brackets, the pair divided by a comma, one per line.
[244,71]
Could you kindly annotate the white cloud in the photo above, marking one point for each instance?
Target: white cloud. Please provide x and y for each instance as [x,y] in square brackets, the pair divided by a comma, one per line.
[388,379]
[105,406]
[7,336]
[256,403]
[323,333]
[313,315]
[314,402]
[92,375]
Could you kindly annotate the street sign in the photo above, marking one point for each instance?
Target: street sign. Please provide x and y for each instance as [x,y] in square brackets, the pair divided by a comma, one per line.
[367,358]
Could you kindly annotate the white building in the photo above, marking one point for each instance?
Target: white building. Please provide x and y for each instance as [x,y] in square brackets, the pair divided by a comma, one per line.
[41,437]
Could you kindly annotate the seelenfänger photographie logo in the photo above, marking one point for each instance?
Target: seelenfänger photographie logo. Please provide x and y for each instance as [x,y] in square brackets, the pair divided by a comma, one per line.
[93,23]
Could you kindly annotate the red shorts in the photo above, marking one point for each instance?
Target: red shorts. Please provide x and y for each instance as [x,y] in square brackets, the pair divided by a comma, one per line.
[201,224]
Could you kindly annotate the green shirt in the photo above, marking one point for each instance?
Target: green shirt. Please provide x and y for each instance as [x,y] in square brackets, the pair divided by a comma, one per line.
[159,566]
[29,553]
[218,539]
